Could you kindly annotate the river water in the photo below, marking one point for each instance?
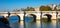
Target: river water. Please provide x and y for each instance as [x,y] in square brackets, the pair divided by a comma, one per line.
[28,23]
[39,24]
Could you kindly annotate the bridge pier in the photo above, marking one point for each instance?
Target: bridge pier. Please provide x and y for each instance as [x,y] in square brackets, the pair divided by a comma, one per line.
[21,17]
[37,16]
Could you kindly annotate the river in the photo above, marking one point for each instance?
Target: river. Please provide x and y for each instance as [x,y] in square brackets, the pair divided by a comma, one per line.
[28,23]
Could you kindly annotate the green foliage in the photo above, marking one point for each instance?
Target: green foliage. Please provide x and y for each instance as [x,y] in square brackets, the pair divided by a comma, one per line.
[45,8]
[28,9]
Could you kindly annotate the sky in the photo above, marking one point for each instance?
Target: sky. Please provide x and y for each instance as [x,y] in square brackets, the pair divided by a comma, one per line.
[10,5]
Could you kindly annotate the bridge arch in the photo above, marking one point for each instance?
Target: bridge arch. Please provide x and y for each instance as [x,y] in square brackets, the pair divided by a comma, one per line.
[33,16]
[14,17]
[48,17]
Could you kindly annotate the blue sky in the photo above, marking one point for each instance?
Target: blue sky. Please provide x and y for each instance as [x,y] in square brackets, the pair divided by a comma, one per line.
[9,5]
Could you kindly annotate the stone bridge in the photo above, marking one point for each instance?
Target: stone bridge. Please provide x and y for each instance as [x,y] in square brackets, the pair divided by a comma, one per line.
[36,13]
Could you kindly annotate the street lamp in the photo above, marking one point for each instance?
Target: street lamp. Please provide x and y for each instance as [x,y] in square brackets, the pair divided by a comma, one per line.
[24,19]
[8,14]
[41,18]
[56,19]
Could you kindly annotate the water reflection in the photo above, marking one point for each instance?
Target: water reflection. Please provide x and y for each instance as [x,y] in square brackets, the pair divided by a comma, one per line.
[46,24]
[21,24]
[58,23]
[14,25]
[28,23]
[37,24]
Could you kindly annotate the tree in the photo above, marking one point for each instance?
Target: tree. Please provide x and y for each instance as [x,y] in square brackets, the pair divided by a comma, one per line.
[45,8]
[28,9]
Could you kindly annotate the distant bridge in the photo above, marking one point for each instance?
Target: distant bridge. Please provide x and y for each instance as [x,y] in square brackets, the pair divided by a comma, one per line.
[36,13]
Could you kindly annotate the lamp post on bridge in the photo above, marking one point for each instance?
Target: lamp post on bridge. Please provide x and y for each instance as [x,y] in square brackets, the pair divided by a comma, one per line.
[41,15]
[56,19]
[41,18]
[24,19]
[8,14]
[24,15]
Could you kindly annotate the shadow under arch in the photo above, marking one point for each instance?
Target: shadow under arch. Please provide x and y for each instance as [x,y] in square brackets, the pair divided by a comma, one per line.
[48,17]
[16,16]
[34,16]
[19,18]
